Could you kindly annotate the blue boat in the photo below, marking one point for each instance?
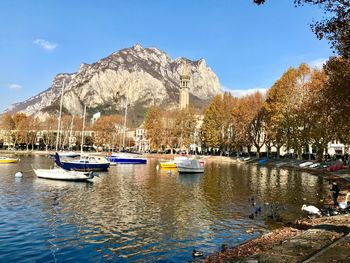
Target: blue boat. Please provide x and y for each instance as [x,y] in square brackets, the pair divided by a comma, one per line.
[122,158]
[85,163]
[262,161]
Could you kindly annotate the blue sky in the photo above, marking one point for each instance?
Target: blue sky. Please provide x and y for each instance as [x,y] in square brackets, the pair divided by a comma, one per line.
[247,46]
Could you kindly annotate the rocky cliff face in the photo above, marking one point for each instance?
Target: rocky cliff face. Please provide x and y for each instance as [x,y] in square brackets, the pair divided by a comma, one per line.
[139,76]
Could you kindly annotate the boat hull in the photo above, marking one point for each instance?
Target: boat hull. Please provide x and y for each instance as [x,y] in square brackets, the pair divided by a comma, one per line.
[85,167]
[8,160]
[190,166]
[126,160]
[190,170]
[167,165]
[60,174]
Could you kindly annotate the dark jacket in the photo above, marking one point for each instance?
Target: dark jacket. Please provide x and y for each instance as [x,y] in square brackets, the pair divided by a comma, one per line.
[335,189]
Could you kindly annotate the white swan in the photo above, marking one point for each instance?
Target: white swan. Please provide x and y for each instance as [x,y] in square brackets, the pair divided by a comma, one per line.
[311,209]
[344,205]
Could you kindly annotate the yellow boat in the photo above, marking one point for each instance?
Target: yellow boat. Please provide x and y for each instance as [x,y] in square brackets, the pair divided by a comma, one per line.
[8,160]
[168,164]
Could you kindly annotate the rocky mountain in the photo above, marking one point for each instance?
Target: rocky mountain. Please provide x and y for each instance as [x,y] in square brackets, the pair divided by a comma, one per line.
[139,76]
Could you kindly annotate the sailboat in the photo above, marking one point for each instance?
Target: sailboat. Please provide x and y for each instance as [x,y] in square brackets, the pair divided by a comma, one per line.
[61,174]
[125,158]
[61,153]
[85,163]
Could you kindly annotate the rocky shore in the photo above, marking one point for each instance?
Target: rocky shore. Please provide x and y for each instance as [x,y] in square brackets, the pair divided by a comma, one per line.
[324,239]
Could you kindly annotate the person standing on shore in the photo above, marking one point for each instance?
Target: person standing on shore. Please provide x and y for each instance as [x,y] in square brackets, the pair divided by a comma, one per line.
[335,193]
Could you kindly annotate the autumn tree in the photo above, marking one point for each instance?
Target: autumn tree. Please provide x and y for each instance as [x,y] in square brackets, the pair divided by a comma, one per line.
[241,117]
[67,123]
[282,106]
[256,127]
[31,132]
[213,123]
[319,110]
[154,126]
[7,124]
[217,130]
[48,131]
[229,104]
[21,122]
[106,129]
[185,127]
[170,130]
[337,93]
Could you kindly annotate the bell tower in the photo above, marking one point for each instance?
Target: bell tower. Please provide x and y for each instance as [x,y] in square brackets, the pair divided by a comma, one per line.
[184,88]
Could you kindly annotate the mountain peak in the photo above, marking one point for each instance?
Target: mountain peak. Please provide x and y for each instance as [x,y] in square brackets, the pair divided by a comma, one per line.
[137,47]
[146,76]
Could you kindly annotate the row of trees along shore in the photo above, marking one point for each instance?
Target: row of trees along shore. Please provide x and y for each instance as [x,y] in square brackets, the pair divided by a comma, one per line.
[20,129]
[304,107]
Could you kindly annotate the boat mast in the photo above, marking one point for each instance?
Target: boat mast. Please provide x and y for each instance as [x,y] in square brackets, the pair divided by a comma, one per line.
[82,132]
[59,117]
[71,133]
[126,112]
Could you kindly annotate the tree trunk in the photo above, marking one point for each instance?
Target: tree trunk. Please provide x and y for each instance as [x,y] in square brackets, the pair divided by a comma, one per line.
[319,153]
[278,151]
[258,147]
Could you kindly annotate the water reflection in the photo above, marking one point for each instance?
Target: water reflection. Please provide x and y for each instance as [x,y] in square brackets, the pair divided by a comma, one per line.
[190,179]
[138,213]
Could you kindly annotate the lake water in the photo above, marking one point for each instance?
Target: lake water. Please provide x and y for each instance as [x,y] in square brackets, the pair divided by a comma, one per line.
[135,213]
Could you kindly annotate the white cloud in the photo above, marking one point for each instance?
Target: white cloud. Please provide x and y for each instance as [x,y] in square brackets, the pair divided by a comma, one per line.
[317,63]
[243,92]
[15,86]
[45,44]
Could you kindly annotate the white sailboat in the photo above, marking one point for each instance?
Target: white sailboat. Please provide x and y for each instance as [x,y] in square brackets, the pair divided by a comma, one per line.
[61,174]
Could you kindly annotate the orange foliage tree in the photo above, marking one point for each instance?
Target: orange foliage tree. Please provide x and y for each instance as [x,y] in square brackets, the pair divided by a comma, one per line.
[217,130]
[154,127]
[106,130]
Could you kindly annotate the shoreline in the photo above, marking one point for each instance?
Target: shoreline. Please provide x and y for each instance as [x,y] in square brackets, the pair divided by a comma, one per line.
[273,246]
[324,239]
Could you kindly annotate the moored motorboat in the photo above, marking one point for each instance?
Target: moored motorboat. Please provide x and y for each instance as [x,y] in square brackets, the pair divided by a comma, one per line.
[190,166]
[123,158]
[85,163]
[61,174]
[8,160]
